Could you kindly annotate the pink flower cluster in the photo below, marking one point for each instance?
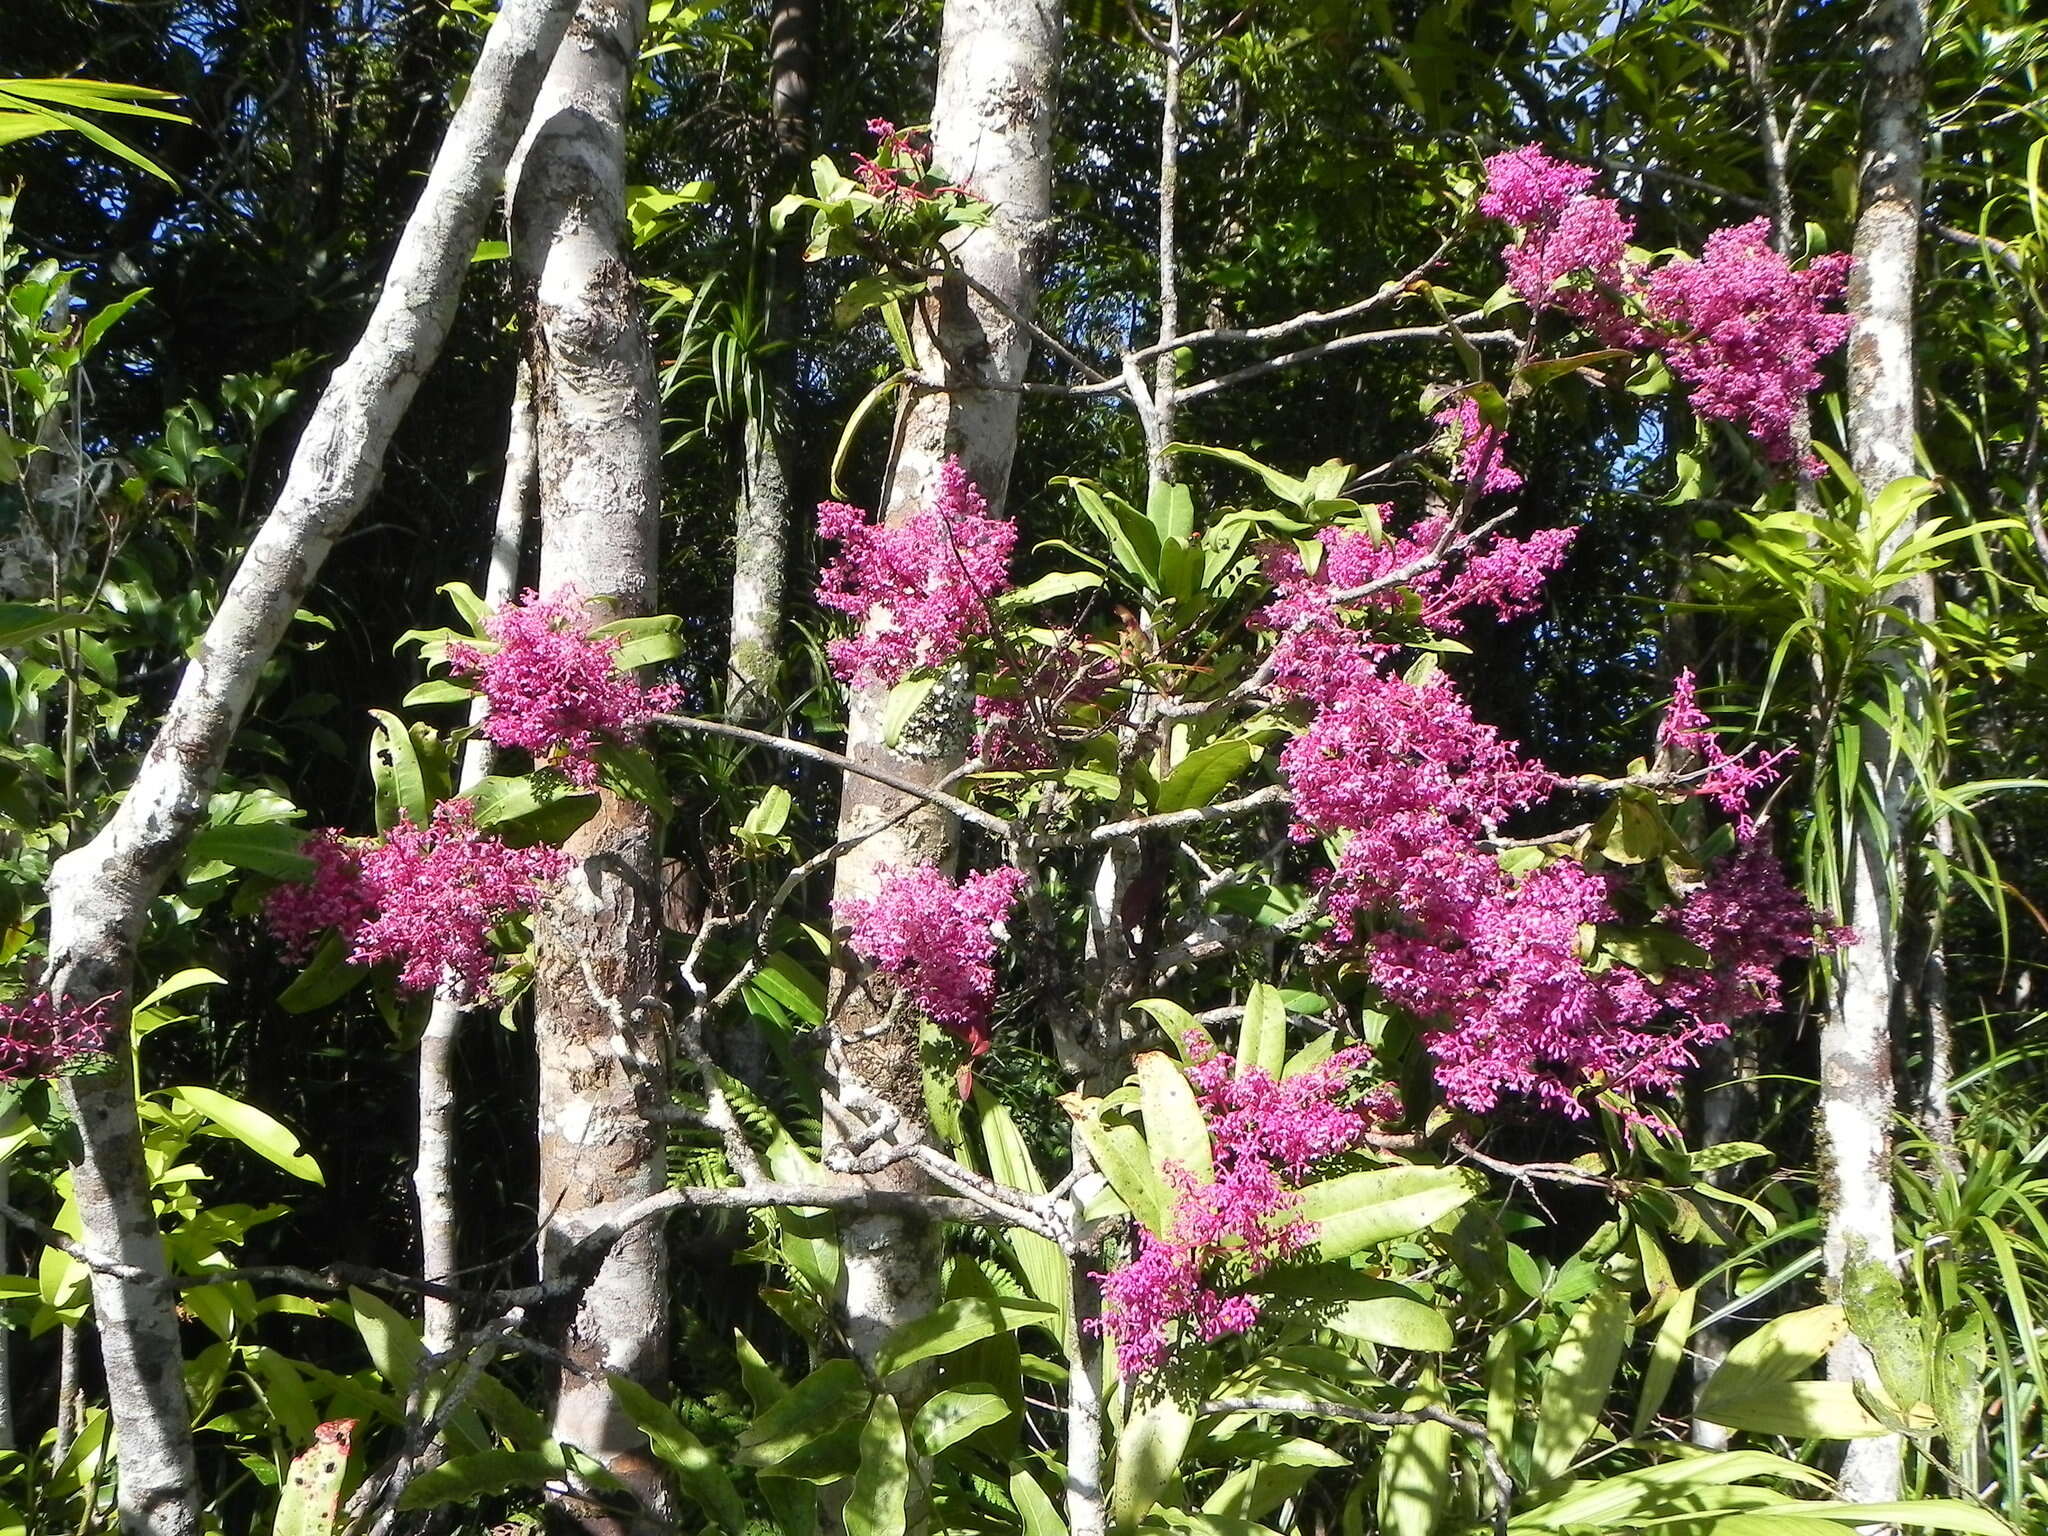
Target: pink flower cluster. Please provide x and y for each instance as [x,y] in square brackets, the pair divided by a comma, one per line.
[1495,964]
[900,171]
[1747,332]
[553,687]
[1323,616]
[920,590]
[423,898]
[1266,1138]
[1479,451]
[40,1037]
[1729,781]
[936,941]
[1739,325]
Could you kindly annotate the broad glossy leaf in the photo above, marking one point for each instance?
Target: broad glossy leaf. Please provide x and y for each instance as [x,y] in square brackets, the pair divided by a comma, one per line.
[1358,1210]
[954,1326]
[1580,1375]
[881,1488]
[1175,1130]
[254,1129]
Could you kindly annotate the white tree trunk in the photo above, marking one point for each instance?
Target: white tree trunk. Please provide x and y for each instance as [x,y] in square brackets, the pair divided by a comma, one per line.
[600,502]
[1857,1101]
[991,130]
[100,894]
[434,1177]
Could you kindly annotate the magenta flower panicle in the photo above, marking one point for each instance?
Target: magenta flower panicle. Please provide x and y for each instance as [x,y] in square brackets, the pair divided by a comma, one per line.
[553,687]
[1267,1138]
[936,941]
[42,1037]
[1740,326]
[918,591]
[422,898]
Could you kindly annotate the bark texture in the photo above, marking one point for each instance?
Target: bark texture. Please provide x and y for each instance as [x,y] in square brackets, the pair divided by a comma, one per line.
[1857,1099]
[433,1178]
[101,893]
[991,130]
[765,507]
[598,960]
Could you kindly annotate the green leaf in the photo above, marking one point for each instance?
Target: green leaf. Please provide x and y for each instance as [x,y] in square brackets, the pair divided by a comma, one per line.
[1175,1129]
[267,847]
[1391,1320]
[881,1488]
[327,976]
[1148,1455]
[437,690]
[1758,1387]
[1415,1473]
[1048,588]
[468,1480]
[23,622]
[1612,1501]
[905,700]
[395,769]
[1035,1508]
[1295,492]
[813,1408]
[1121,1156]
[1131,536]
[954,1326]
[183,981]
[1665,1357]
[1576,1384]
[950,1416]
[309,1503]
[1932,1514]
[697,1472]
[1360,1210]
[254,1129]
[643,641]
[1204,774]
[524,810]
[1262,1036]
[392,1339]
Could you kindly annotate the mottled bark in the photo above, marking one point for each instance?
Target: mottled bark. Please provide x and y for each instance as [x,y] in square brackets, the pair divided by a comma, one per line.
[765,509]
[991,130]
[1857,1100]
[100,894]
[434,1178]
[598,956]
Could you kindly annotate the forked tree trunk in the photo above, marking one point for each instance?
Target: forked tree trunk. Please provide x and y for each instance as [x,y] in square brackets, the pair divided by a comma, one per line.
[765,508]
[992,131]
[598,956]
[434,1175]
[100,894]
[1857,1100]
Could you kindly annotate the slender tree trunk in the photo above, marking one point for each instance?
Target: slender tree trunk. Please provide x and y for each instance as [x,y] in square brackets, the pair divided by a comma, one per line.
[765,509]
[1856,1040]
[598,962]
[434,1176]
[992,130]
[100,894]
